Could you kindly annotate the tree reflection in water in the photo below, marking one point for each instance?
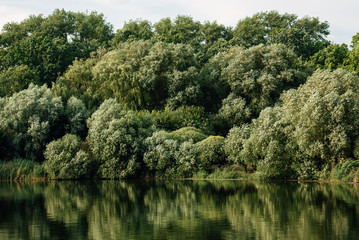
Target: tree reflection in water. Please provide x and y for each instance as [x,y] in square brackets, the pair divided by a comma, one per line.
[178,209]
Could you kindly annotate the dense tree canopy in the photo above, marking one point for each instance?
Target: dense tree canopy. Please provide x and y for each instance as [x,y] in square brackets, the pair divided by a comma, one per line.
[178,97]
[306,35]
[48,45]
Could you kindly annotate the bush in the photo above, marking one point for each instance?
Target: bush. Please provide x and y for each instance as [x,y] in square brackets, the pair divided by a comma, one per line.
[160,155]
[185,116]
[117,139]
[30,119]
[76,114]
[66,160]
[187,134]
[186,158]
[211,153]
[233,144]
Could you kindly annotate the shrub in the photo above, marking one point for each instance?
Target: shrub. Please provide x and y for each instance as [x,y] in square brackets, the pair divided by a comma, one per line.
[187,134]
[211,153]
[167,157]
[76,114]
[66,160]
[117,139]
[186,158]
[160,155]
[233,144]
[30,119]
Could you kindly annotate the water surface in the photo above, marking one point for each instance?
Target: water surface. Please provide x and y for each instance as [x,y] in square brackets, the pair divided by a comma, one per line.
[178,209]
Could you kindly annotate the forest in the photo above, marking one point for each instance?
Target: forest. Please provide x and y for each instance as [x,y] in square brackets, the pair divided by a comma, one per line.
[271,98]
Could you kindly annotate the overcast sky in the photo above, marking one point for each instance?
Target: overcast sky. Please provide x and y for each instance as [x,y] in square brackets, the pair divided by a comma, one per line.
[342,15]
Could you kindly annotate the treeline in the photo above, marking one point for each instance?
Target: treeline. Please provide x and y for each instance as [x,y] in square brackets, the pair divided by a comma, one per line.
[178,98]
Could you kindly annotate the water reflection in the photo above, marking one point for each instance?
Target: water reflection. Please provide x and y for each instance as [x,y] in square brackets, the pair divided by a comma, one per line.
[178,210]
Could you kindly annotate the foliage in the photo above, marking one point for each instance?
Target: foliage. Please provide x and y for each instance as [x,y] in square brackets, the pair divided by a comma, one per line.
[78,81]
[64,159]
[15,79]
[325,113]
[331,57]
[20,169]
[187,159]
[185,116]
[160,154]
[47,45]
[140,74]
[352,60]
[168,157]
[211,153]
[30,119]
[305,35]
[76,115]
[233,144]
[257,76]
[347,171]
[269,146]
[133,30]
[188,134]
[116,138]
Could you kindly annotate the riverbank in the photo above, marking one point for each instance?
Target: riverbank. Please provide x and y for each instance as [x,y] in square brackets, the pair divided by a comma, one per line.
[348,172]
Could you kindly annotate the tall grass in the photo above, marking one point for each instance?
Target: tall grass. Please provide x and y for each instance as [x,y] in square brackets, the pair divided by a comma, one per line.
[346,172]
[20,169]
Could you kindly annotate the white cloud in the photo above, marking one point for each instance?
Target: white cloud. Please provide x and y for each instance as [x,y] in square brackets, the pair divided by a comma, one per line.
[12,14]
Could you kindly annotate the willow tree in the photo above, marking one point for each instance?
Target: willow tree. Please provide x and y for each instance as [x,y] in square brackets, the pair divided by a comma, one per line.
[30,119]
[256,78]
[325,114]
[146,75]
[116,138]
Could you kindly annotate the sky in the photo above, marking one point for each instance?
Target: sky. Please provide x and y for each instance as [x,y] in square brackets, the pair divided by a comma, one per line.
[342,15]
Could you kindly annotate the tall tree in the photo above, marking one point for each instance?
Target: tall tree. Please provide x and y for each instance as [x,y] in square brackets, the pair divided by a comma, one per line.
[306,35]
[47,45]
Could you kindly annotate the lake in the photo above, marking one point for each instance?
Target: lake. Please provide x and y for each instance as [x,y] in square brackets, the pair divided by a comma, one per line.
[178,209]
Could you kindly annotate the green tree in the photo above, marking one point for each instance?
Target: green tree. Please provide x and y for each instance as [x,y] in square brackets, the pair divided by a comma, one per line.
[64,159]
[15,79]
[211,153]
[133,30]
[145,75]
[188,134]
[331,57]
[352,61]
[168,156]
[30,118]
[324,112]
[233,144]
[116,138]
[306,35]
[76,115]
[183,29]
[257,76]
[78,81]
[269,148]
[47,45]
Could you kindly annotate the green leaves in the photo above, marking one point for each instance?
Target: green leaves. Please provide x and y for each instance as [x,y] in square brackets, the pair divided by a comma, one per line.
[66,160]
[29,117]
[116,138]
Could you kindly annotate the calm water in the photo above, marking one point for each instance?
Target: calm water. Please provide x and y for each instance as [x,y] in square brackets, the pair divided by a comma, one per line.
[178,210]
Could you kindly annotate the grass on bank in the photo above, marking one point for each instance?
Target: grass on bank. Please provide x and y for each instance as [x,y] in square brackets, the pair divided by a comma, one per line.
[20,169]
[347,171]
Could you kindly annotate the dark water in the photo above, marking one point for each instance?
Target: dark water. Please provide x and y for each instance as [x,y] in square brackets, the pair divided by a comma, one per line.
[178,210]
